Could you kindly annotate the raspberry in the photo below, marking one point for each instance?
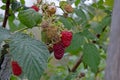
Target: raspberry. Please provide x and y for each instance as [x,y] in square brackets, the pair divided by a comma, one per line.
[51,9]
[58,49]
[68,8]
[16,68]
[44,24]
[35,8]
[66,38]
[51,32]
[44,7]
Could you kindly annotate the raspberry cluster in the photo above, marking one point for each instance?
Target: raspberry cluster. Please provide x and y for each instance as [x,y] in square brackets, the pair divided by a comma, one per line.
[59,48]
[54,33]
[59,39]
[16,69]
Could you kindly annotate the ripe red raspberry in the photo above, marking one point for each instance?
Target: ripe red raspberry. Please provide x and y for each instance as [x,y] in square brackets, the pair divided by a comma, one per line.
[16,68]
[58,49]
[35,8]
[66,38]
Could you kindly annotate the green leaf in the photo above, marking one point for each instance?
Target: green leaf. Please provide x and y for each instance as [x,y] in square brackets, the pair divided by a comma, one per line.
[66,22]
[89,11]
[29,17]
[99,4]
[15,5]
[56,77]
[106,21]
[97,27]
[14,78]
[31,54]
[77,41]
[15,24]
[3,7]
[62,4]
[11,24]
[77,2]
[80,13]
[88,34]
[22,1]
[71,76]
[91,56]
[109,2]
[4,1]
[4,34]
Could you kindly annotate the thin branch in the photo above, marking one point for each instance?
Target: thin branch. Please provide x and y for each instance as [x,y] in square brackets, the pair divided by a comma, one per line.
[100,70]
[6,13]
[76,64]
